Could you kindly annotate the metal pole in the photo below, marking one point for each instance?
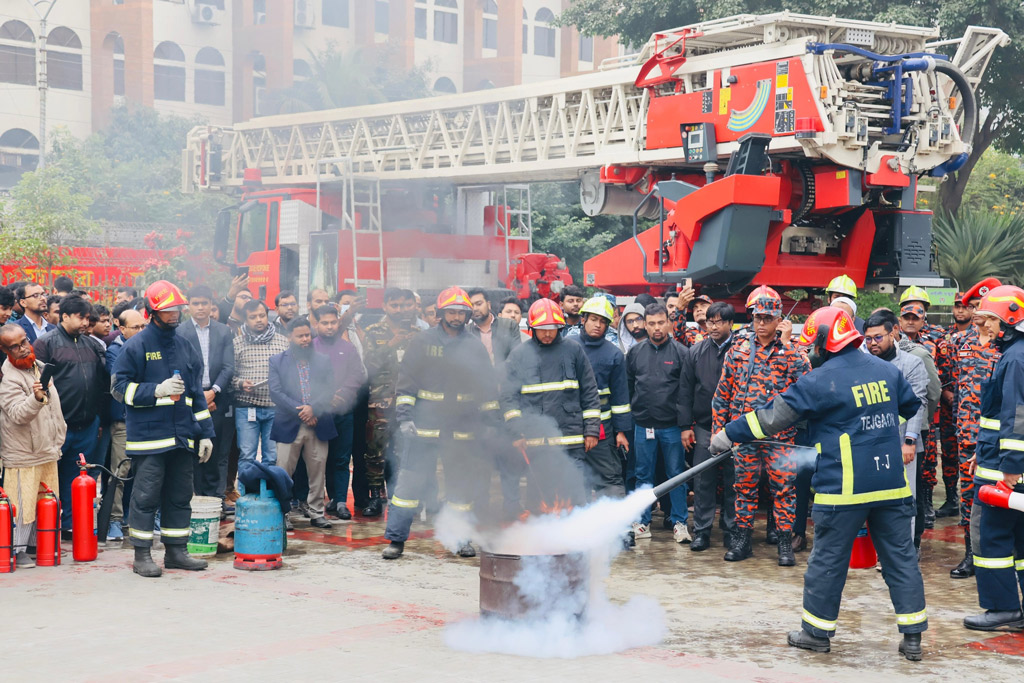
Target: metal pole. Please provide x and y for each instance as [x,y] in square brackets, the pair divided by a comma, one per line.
[41,76]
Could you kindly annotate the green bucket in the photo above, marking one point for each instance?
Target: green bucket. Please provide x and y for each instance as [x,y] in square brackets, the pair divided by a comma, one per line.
[205,526]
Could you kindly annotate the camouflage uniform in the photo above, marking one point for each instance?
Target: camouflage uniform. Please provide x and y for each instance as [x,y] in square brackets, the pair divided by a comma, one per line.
[926,338]
[686,335]
[382,363]
[748,384]
[974,365]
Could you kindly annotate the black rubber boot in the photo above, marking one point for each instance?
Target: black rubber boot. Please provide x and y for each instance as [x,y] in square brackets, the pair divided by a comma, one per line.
[467,550]
[771,536]
[177,557]
[739,546]
[375,507]
[965,569]
[393,551]
[701,541]
[992,620]
[805,641]
[911,647]
[929,512]
[951,506]
[786,558]
[144,564]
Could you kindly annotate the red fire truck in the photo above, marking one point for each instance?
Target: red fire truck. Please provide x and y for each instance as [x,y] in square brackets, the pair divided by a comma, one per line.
[779,148]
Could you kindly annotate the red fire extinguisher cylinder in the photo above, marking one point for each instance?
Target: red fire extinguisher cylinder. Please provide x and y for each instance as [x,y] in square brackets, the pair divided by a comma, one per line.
[1001,496]
[47,528]
[83,497]
[7,515]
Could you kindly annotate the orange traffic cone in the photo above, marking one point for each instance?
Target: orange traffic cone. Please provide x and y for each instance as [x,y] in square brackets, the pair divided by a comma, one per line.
[863,555]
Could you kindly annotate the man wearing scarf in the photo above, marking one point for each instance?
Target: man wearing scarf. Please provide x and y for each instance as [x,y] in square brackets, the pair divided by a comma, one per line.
[32,429]
[254,410]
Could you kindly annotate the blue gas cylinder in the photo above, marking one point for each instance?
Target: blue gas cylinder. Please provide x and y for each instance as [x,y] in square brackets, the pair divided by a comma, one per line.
[259,531]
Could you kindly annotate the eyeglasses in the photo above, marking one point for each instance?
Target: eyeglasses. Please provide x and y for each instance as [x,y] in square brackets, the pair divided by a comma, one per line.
[763,319]
[717,322]
[876,339]
[133,327]
[37,295]
[14,347]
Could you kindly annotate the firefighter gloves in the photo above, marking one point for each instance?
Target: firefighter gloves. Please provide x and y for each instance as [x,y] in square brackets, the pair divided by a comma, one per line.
[172,386]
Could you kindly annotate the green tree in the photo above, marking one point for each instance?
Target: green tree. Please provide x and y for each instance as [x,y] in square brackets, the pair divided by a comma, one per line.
[46,214]
[349,79]
[996,185]
[1001,92]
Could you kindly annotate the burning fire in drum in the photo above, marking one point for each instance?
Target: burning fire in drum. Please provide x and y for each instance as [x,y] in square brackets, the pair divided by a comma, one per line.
[533,586]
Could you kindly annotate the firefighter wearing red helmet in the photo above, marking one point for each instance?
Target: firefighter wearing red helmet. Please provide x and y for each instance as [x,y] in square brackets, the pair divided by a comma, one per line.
[447,397]
[158,377]
[997,532]
[756,368]
[550,402]
[853,403]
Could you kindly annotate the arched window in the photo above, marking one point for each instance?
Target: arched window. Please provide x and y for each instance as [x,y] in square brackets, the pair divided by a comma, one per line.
[444,85]
[17,54]
[586,48]
[446,21]
[19,152]
[169,72]
[64,59]
[544,33]
[490,27]
[116,44]
[209,85]
[526,33]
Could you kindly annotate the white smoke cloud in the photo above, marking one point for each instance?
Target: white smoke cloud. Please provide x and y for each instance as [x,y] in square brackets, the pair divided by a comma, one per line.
[568,614]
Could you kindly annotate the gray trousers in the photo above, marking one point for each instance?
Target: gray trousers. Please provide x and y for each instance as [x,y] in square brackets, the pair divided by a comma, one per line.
[314,452]
[117,456]
[705,487]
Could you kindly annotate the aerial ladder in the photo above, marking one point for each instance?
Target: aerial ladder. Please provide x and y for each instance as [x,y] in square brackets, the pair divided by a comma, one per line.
[780,148]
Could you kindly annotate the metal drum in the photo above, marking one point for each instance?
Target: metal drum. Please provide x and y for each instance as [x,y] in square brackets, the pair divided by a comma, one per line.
[531,586]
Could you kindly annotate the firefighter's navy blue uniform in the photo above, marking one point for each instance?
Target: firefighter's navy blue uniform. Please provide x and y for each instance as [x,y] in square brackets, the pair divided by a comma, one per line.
[853,405]
[447,390]
[162,434]
[550,399]
[999,551]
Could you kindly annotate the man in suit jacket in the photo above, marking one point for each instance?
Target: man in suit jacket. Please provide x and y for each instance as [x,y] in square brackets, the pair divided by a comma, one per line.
[302,389]
[32,298]
[213,341]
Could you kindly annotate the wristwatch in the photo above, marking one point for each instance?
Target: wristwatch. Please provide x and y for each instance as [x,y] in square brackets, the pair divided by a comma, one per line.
[910,441]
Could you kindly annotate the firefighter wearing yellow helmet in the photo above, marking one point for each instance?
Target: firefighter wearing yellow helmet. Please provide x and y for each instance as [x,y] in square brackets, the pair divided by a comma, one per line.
[841,285]
[159,378]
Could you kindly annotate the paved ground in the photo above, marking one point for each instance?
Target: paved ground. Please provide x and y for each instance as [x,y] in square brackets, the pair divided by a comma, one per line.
[336,611]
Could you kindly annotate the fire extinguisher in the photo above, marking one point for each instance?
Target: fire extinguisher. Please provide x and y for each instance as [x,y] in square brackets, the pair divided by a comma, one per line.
[47,528]
[1001,495]
[83,498]
[7,515]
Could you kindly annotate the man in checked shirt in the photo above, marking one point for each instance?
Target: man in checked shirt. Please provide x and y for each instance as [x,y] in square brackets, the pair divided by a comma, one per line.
[254,411]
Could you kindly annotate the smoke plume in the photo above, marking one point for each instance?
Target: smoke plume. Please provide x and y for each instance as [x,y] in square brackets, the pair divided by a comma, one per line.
[565,618]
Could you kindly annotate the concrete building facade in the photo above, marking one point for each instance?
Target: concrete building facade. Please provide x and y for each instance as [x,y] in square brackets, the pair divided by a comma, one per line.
[217,60]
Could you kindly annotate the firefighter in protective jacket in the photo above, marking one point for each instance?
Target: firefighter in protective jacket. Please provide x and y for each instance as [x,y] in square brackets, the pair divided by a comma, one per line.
[550,402]
[158,377]
[853,403]
[999,543]
[447,398]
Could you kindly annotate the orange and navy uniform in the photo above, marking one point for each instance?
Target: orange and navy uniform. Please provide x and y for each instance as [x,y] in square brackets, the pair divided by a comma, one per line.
[748,383]
[688,335]
[975,363]
[945,365]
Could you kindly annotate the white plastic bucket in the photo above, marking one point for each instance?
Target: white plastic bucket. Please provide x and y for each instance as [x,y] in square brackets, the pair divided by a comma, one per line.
[205,526]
